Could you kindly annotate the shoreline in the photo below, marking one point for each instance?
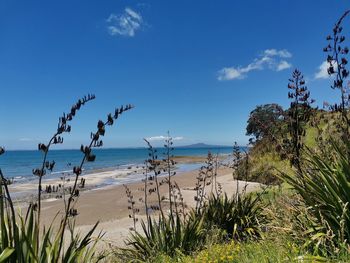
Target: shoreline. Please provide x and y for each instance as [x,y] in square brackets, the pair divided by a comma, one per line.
[97,178]
[108,205]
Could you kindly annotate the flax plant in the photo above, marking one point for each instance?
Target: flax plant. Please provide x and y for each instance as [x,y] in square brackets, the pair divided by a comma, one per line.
[170,232]
[133,211]
[325,189]
[62,127]
[88,156]
[153,165]
[336,57]
[298,116]
[21,238]
[204,179]
[169,163]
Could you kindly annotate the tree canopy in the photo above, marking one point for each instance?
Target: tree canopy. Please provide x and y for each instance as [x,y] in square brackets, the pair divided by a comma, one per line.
[263,120]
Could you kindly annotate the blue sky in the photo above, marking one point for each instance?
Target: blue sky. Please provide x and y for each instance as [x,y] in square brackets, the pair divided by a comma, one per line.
[195,68]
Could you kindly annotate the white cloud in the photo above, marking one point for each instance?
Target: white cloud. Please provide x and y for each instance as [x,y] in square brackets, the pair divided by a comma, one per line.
[270,58]
[162,138]
[230,73]
[283,65]
[322,72]
[280,53]
[125,24]
[156,138]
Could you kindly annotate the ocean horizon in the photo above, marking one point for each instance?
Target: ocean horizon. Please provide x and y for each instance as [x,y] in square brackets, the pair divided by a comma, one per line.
[18,164]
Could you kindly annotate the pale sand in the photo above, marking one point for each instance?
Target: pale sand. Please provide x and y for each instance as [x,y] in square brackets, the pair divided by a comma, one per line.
[108,205]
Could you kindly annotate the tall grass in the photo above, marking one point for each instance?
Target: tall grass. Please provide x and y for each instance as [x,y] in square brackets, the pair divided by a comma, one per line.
[325,188]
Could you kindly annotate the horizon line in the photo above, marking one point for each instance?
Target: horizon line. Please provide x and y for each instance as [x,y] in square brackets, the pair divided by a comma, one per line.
[127,147]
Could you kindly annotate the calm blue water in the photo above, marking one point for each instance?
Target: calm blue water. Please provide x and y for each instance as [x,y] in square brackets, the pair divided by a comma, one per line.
[19,164]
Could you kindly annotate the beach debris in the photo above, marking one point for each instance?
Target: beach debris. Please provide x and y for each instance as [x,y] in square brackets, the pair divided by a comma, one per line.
[82,183]
[72,212]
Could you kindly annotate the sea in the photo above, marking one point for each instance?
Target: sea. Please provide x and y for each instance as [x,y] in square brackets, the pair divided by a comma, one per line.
[18,165]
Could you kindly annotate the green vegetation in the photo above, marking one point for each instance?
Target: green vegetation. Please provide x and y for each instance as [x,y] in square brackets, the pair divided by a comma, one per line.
[168,236]
[239,218]
[326,189]
[265,251]
[264,121]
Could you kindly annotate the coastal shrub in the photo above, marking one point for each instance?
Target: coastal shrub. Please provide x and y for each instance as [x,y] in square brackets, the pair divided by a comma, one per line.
[234,252]
[223,253]
[325,188]
[241,217]
[167,235]
[264,251]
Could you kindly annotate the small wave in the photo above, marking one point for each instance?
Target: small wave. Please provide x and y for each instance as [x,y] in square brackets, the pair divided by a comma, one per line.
[60,172]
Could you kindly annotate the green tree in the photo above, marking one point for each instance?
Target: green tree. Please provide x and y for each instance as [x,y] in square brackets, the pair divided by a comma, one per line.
[264,121]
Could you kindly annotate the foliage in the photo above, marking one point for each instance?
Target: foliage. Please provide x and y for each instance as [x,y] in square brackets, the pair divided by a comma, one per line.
[325,188]
[264,164]
[218,253]
[264,251]
[337,52]
[299,114]
[264,121]
[167,236]
[239,217]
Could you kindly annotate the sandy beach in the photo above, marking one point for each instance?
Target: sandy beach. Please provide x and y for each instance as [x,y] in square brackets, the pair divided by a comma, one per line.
[108,204]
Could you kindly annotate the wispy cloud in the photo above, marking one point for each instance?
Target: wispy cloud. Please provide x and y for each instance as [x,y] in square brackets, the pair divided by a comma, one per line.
[282,65]
[322,72]
[124,24]
[162,138]
[280,53]
[272,59]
